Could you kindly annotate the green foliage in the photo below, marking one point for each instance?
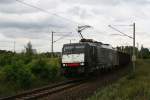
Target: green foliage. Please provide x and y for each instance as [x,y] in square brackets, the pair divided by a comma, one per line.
[127,49]
[17,74]
[54,72]
[42,70]
[5,59]
[137,88]
[19,71]
[26,59]
[144,52]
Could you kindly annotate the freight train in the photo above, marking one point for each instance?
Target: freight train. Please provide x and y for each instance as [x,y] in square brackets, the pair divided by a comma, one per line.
[88,56]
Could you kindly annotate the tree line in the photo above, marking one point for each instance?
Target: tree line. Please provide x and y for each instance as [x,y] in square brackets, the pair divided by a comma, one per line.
[140,53]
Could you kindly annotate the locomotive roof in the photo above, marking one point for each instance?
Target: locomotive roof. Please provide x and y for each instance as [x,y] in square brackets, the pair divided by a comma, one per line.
[100,44]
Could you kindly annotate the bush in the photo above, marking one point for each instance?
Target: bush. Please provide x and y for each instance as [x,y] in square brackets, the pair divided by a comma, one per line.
[22,71]
[42,70]
[17,74]
[5,60]
[54,72]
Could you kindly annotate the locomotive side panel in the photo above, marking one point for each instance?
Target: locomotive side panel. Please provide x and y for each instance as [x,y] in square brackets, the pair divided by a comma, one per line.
[109,57]
[91,58]
[100,57]
[104,57]
[88,60]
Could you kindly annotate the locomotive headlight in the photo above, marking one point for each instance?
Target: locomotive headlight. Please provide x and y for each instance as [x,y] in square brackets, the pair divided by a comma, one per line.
[82,63]
[64,64]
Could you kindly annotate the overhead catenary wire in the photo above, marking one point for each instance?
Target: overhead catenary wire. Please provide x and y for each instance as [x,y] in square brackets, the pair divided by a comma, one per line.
[74,23]
[43,10]
[122,25]
[64,36]
[120,31]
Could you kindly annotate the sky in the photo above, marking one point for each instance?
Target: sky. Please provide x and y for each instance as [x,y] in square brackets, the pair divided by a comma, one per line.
[20,23]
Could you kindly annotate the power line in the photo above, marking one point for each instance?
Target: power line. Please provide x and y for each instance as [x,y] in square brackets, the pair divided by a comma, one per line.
[43,10]
[120,31]
[64,36]
[133,55]
[52,46]
[121,25]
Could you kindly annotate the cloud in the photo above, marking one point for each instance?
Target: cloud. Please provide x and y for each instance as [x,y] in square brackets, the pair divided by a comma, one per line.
[23,6]
[15,8]
[31,25]
[7,1]
[81,12]
[94,2]
[19,21]
[107,2]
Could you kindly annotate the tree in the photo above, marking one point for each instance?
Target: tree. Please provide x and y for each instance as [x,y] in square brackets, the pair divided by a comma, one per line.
[29,50]
[144,52]
[127,49]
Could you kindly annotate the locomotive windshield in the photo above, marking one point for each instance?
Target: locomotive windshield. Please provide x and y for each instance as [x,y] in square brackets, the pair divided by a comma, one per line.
[67,49]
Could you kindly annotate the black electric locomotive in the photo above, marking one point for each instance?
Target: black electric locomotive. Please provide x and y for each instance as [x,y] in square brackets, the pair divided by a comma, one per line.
[87,56]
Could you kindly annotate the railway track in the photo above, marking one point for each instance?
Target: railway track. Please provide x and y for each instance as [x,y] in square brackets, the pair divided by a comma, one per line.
[44,91]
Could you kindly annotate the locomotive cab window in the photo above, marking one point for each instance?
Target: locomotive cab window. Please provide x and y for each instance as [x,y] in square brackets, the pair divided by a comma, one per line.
[73,49]
[68,48]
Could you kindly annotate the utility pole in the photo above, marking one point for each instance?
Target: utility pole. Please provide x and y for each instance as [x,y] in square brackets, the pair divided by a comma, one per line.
[133,57]
[52,40]
[123,34]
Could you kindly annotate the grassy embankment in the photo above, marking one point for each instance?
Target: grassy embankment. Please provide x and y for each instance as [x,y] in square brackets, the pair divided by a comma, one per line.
[128,88]
[19,72]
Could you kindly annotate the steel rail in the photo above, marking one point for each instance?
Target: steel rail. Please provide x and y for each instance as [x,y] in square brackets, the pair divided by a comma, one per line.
[40,92]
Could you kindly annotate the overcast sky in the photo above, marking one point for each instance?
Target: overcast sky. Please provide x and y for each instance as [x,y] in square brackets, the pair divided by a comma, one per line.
[21,23]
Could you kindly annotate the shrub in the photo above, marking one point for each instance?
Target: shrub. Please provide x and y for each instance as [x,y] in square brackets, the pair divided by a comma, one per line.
[17,74]
[54,72]
[5,59]
[42,69]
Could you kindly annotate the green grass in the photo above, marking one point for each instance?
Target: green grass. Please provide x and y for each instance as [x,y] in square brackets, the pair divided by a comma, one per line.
[128,88]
